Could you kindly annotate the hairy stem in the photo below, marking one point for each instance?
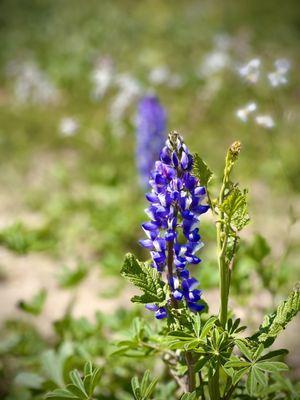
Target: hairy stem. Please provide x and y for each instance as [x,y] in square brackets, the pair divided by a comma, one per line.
[223,268]
[191,373]
[222,234]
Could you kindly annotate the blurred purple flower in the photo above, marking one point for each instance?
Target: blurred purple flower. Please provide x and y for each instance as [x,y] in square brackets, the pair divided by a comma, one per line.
[151,135]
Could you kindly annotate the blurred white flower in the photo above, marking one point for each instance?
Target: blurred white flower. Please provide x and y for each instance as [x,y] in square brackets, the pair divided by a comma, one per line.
[213,63]
[243,113]
[265,121]
[223,41]
[68,126]
[283,65]
[32,85]
[102,77]
[159,75]
[175,81]
[251,70]
[162,75]
[129,90]
[278,77]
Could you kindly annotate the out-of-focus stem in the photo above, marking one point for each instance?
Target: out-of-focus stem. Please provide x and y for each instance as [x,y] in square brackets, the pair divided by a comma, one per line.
[202,392]
[191,372]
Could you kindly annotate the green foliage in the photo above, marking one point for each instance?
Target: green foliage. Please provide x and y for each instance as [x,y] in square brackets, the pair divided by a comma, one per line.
[34,306]
[74,183]
[69,278]
[189,396]
[145,278]
[235,209]
[202,171]
[21,239]
[258,367]
[80,388]
[143,390]
[274,323]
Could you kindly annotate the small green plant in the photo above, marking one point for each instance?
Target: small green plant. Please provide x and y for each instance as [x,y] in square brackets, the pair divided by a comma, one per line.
[80,388]
[206,355]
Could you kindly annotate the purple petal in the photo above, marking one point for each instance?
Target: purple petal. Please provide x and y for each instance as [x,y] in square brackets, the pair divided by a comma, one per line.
[200,191]
[147,243]
[195,307]
[152,307]
[177,295]
[149,226]
[184,160]
[161,313]
[152,197]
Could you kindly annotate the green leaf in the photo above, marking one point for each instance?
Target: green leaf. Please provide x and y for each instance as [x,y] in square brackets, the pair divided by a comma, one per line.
[88,368]
[239,374]
[95,380]
[77,381]
[259,249]
[251,383]
[53,362]
[189,396]
[200,363]
[145,278]
[75,390]
[196,324]
[61,394]
[136,388]
[237,363]
[34,306]
[235,209]
[143,390]
[80,388]
[274,353]
[207,327]
[29,380]
[271,366]
[68,278]
[243,347]
[274,323]
[201,170]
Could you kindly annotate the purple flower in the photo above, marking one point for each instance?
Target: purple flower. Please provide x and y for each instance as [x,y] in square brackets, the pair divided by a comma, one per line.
[150,135]
[173,233]
[160,312]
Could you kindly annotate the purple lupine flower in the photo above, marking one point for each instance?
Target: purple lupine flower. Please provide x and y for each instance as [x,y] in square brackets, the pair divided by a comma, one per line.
[151,135]
[172,233]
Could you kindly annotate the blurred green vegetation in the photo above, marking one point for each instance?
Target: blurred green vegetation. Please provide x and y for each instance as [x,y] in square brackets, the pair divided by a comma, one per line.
[83,188]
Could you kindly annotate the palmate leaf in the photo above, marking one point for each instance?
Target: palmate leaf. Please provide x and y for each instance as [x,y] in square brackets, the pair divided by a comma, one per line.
[235,209]
[274,323]
[80,388]
[201,170]
[143,390]
[144,277]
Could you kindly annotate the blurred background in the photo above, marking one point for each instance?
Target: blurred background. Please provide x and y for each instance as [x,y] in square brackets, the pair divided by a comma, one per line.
[72,74]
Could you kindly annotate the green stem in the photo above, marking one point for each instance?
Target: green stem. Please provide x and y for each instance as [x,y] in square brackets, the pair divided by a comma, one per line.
[202,393]
[230,392]
[223,267]
[213,386]
[191,372]
[222,234]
